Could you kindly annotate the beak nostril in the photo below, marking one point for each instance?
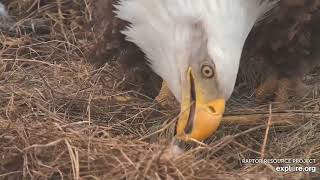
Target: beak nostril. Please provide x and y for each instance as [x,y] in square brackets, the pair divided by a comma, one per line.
[212,109]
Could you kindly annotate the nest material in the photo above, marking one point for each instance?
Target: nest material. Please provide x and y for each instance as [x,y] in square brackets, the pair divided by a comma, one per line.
[61,117]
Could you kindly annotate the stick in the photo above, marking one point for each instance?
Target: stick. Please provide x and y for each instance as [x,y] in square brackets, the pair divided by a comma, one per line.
[267,133]
[287,118]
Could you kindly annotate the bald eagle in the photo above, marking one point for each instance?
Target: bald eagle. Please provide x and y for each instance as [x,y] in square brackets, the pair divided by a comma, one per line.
[194,46]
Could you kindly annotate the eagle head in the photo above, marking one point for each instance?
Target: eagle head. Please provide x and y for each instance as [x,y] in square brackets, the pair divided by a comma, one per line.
[195,46]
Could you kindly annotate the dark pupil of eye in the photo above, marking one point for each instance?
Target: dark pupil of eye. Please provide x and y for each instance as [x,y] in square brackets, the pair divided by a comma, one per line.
[207,71]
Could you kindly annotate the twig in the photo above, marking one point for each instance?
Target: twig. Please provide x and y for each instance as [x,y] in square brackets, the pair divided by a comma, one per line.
[267,112]
[158,131]
[289,118]
[36,61]
[43,145]
[267,133]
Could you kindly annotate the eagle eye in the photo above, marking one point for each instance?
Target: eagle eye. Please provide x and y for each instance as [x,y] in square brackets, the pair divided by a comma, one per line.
[207,71]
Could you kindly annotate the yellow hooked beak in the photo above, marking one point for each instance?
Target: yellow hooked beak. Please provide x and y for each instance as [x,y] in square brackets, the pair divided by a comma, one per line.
[199,117]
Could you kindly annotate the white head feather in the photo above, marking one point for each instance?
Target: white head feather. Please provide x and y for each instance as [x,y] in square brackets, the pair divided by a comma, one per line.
[165,31]
[3,11]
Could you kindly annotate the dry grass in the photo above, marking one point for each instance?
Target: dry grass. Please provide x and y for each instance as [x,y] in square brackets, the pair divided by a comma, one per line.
[62,118]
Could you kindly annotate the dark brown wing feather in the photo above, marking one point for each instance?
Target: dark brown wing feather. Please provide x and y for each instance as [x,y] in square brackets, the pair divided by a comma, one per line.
[287,45]
[106,28]
[110,46]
